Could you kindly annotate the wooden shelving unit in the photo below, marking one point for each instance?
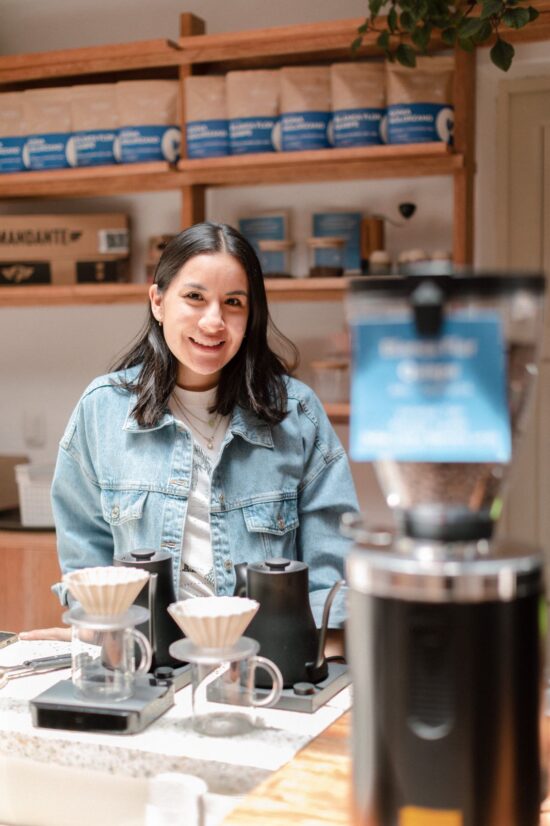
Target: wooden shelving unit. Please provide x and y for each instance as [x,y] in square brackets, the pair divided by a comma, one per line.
[46,295]
[197,52]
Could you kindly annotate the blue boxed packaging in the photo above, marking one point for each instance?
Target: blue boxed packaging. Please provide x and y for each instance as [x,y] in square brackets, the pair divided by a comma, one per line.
[272,226]
[252,99]
[358,92]
[340,224]
[48,122]
[420,101]
[306,114]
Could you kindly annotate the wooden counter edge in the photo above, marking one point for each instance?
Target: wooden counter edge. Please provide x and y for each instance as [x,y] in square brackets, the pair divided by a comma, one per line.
[313,788]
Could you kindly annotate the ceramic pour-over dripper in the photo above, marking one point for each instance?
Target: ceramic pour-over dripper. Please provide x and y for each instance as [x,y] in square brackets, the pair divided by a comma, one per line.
[107,590]
[214,622]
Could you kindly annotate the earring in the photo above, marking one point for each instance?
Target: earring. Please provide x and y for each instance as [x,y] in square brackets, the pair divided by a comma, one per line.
[160,323]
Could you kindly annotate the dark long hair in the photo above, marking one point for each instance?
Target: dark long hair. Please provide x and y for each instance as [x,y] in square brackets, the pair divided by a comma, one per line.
[253,379]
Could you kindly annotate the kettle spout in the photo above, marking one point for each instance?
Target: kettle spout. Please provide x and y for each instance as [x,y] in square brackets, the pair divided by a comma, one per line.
[318,670]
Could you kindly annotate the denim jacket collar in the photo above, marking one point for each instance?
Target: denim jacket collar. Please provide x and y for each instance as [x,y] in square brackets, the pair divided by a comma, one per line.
[243,423]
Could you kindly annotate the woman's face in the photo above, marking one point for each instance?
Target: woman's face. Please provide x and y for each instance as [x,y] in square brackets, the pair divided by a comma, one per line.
[204,313]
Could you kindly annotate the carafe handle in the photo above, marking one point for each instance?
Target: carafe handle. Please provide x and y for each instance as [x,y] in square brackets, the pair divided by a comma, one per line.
[275,674]
[145,650]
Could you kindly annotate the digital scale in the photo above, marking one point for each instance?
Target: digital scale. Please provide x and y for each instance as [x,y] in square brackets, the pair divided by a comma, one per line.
[308,697]
[60,708]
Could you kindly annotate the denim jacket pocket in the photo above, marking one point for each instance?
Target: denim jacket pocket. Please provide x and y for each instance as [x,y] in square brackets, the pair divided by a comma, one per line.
[277,517]
[121,506]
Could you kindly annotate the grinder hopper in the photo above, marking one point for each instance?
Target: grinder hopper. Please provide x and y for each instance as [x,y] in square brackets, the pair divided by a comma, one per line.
[443,368]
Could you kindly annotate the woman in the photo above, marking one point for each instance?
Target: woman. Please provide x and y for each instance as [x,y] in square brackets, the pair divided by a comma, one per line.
[200,443]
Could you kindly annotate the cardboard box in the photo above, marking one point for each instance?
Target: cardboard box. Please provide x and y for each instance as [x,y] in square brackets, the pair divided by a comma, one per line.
[64,237]
[64,249]
[9,492]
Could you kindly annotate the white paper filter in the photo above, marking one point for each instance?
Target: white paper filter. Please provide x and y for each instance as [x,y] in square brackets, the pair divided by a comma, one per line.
[107,590]
[214,622]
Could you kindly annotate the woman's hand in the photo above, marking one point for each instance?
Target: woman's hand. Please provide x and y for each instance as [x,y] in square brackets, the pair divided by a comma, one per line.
[334,643]
[58,634]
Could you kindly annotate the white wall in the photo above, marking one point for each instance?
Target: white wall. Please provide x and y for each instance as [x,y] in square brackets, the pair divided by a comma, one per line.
[47,356]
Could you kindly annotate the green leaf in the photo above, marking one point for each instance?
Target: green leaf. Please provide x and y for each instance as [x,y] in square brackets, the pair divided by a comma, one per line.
[533,13]
[421,37]
[448,36]
[383,40]
[405,55]
[516,18]
[356,44]
[501,54]
[363,28]
[392,19]
[484,33]
[469,27]
[407,21]
[490,8]
[375,6]
[466,44]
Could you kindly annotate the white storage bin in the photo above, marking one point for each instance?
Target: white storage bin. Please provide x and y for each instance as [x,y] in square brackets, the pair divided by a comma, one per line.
[34,483]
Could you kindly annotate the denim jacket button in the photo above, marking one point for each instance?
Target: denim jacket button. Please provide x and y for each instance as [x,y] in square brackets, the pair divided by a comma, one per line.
[280,523]
[115,511]
[222,498]
[228,565]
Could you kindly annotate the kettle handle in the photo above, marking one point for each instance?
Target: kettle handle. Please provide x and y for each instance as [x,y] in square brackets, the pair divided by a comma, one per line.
[240,579]
[324,622]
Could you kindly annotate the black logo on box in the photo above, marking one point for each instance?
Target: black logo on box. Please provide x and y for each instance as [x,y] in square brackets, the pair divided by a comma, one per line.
[36,237]
[25,272]
[97,272]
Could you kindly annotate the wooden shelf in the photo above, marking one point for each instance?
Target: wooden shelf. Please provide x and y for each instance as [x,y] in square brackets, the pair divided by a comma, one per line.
[91,180]
[52,295]
[338,412]
[408,160]
[68,63]
[324,41]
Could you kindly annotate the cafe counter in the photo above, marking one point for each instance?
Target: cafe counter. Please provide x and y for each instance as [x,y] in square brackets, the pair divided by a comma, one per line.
[52,777]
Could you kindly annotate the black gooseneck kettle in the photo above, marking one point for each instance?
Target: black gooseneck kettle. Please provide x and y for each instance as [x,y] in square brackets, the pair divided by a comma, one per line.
[158,594]
[284,624]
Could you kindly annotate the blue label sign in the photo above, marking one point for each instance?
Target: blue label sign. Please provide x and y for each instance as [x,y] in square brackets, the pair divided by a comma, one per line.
[139,144]
[305,130]
[358,127]
[207,138]
[252,135]
[438,399]
[91,148]
[11,154]
[47,151]
[420,123]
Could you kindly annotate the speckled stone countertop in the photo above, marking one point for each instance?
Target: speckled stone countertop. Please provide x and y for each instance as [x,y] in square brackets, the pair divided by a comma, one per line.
[229,766]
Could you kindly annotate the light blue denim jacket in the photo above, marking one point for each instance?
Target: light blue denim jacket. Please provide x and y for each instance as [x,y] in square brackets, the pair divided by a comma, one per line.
[277,490]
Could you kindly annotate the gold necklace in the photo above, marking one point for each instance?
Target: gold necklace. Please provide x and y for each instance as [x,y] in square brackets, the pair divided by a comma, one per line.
[208,422]
[208,439]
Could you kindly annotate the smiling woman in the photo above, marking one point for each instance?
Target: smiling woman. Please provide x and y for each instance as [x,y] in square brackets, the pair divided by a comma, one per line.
[200,443]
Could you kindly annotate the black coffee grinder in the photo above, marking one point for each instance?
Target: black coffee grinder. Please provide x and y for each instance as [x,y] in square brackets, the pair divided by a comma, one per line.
[444,639]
